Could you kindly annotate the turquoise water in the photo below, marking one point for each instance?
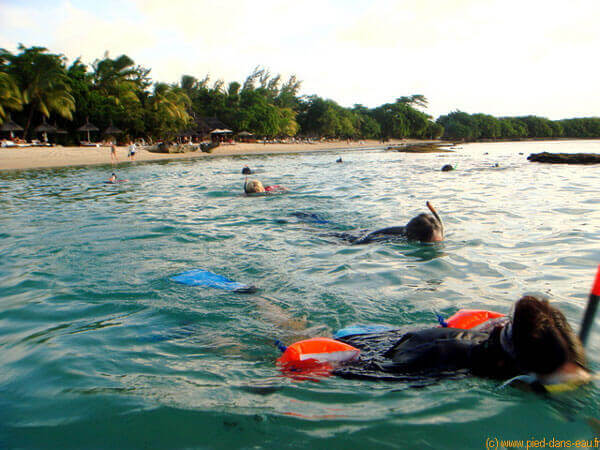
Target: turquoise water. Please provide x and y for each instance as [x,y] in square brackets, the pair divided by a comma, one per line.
[101,350]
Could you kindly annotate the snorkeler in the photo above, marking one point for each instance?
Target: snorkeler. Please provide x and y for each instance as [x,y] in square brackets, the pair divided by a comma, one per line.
[423,228]
[535,345]
[256,187]
[113,178]
[537,341]
[246,170]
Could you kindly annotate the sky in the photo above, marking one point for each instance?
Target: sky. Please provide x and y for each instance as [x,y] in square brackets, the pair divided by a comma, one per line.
[499,57]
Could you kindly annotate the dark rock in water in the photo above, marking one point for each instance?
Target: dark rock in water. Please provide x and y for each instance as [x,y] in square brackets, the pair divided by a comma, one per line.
[565,158]
[447,168]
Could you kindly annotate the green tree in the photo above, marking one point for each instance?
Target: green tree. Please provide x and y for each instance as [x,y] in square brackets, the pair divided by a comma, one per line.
[42,80]
[168,108]
[10,95]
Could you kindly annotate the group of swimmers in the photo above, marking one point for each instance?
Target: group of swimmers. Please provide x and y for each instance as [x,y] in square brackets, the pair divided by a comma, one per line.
[535,339]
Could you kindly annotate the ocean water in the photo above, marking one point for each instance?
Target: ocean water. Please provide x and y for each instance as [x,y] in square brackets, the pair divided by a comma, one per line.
[99,349]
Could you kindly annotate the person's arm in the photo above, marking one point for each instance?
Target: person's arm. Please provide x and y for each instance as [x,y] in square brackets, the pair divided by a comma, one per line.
[390,231]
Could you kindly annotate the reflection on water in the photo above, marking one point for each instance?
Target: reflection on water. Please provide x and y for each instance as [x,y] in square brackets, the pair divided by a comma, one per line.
[100,346]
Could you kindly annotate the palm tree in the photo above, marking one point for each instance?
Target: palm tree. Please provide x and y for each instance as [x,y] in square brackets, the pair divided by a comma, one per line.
[43,82]
[168,108]
[118,79]
[170,102]
[10,95]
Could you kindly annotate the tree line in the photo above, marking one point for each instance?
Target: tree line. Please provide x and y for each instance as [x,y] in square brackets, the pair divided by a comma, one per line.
[472,127]
[37,85]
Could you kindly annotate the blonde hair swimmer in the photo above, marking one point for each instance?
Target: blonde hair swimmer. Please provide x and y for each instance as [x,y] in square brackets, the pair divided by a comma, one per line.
[256,187]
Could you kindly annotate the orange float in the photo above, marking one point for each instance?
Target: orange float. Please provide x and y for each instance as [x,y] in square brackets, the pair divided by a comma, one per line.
[322,350]
[469,318]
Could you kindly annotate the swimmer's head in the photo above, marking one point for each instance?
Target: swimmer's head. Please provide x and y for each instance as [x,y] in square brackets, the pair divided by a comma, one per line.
[541,340]
[253,187]
[426,227]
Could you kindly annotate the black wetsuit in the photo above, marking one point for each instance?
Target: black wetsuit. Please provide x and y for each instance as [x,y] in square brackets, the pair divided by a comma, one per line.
[431,353]
[385,234]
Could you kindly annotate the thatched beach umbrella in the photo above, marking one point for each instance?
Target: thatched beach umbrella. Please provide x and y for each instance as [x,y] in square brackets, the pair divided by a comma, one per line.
[88,127]
[45,128]
[11,126]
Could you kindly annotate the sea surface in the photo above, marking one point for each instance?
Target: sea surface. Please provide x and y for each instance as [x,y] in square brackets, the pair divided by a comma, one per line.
[99,349]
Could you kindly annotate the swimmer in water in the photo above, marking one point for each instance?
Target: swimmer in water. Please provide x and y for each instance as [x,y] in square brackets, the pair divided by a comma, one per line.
[537,340]
[113,178]
[256,187]
[253,187]
[339,160]
[246,170]
[423,228]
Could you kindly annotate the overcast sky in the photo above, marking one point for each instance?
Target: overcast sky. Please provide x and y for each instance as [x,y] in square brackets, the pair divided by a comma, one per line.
[501,57]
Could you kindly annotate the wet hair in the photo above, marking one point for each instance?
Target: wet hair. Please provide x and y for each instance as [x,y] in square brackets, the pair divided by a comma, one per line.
[422,228]
[543,339]
[253,187]
[246,170]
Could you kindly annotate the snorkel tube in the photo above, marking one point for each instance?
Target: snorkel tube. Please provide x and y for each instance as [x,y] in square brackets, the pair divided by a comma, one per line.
[246,185]
[436,215]
[590,310]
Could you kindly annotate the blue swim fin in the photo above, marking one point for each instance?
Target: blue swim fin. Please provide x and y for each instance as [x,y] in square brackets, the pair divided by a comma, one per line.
[204,278]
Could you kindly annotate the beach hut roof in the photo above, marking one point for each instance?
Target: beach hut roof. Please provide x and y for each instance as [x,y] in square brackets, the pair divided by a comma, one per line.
[245,133]
[44,127]
[220,131]
[9,125]
[88,127]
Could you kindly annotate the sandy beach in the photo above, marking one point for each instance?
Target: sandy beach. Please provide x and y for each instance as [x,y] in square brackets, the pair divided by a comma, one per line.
[48,157]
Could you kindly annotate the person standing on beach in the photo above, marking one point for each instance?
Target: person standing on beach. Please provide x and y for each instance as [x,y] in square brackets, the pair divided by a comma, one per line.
[132,150]
[113,153]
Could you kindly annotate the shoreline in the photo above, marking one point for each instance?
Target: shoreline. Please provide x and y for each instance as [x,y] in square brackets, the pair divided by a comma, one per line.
[34,158]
